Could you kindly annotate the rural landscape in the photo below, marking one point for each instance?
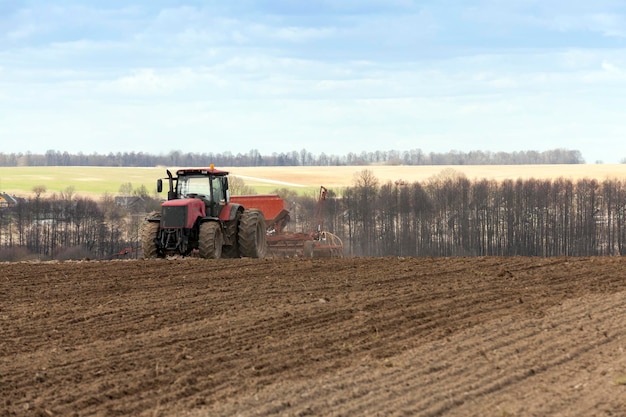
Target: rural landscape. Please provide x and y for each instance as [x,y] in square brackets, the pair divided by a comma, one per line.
[406,208]
[451,332]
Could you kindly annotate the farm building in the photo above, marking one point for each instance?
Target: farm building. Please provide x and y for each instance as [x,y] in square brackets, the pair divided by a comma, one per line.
[7,201]
[129,202]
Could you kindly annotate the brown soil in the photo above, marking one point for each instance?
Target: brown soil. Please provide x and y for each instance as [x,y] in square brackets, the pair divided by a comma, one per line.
[334,337]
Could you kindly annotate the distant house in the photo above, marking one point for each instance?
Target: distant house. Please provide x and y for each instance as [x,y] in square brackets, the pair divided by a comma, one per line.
[7,201]
[129,202]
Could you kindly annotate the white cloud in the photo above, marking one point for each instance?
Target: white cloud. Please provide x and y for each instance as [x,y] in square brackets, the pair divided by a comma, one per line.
[21,33]
[176,85]
[607,66]
[147,81]
[300,34]
[608,24]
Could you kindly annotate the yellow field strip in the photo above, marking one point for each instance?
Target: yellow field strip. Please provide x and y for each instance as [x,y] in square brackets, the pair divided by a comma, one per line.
[343,176]
[98,180]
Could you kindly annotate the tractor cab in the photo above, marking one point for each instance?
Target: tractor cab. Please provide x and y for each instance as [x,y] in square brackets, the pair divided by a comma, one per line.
[207,184]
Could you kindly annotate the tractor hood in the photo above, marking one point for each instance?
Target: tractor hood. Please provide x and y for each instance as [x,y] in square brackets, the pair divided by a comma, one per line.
[181,213]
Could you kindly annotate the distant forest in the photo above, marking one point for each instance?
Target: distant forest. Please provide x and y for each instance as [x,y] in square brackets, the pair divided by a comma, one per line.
[294,158]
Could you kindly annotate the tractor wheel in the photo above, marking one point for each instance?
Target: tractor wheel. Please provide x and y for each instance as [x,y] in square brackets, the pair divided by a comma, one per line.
[252,234]
[148,234]
[211,240]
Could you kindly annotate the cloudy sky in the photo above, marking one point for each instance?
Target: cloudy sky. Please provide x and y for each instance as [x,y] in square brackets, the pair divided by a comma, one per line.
[333,76]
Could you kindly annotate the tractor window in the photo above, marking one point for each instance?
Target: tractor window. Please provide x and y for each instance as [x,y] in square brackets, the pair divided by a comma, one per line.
[218,193]
[194,185]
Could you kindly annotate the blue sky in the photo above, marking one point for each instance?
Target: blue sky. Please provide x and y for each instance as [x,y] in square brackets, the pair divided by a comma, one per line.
[333,76]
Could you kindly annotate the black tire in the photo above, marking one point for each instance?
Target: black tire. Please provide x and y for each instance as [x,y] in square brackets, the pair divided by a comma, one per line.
[252,234]
[149,232]
[211,240]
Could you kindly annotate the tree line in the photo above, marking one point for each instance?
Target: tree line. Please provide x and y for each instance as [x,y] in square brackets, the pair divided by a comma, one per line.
[447,215]
[294,158]
[450,215]
[65,227]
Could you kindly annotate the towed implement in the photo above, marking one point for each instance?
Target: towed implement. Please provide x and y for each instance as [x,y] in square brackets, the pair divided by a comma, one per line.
[311,245]
[282,243]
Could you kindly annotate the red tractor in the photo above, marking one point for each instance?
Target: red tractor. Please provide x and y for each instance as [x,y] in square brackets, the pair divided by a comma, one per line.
[199,216]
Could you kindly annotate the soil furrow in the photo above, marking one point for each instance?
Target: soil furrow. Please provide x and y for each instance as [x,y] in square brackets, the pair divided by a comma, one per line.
[350,337]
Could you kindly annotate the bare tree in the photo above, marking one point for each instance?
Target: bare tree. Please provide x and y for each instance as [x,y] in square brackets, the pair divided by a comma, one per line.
[366,187]
[237,186]
[68,193]
[39,190]
[126,189]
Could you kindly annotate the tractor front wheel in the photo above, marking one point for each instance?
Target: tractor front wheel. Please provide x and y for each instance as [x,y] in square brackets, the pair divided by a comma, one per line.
[149,232]
[211,240]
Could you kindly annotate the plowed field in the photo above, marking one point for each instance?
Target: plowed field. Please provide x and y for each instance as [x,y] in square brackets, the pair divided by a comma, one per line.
[293,337]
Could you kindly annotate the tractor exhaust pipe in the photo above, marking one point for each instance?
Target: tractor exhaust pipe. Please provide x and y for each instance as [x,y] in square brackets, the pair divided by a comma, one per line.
[171,195]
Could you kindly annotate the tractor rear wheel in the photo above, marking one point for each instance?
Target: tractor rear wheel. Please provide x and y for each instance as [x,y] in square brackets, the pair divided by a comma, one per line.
[252,234]
[148,234]
[211,240]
